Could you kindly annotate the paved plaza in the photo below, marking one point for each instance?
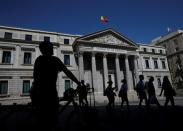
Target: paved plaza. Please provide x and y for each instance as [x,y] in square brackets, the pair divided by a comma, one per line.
[21,118]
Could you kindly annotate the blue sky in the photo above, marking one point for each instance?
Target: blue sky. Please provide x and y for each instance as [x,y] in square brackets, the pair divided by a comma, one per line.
[139,20]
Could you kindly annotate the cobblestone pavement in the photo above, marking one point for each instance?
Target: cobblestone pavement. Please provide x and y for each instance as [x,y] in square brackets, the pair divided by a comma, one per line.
[21,118]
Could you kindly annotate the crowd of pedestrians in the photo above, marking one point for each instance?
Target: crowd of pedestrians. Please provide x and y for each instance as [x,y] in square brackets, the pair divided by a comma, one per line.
[145,91]
[45,98]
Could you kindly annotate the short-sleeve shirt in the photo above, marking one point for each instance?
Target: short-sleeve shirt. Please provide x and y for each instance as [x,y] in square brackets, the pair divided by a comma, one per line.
[46,69]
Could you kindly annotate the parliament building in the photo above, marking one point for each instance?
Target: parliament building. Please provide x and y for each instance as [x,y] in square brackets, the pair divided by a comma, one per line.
[95,58]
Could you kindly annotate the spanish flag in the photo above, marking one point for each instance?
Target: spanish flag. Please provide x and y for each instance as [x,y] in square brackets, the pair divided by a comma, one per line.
[103,19]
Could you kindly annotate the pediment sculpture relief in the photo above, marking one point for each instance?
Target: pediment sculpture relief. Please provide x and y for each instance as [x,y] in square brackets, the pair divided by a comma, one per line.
[109,39]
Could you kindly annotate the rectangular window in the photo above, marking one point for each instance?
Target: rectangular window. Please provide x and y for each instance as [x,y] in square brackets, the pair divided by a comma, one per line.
[155,64]
[153,51]
[28,37]
[67,59]
[27,58]
[147,64]
[26,86]
[145,50]
[8,35]
[67,84]
[160,51]
[176,49]
[175,42]
[46,38]
[66,41]
[6,57]
[163,64]
[3,87]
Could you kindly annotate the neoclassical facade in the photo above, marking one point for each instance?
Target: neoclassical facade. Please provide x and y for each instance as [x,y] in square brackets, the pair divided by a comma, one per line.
[96,58]
[106,55]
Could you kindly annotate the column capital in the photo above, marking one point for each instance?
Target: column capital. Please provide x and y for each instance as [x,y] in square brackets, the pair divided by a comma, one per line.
[136,56]
[117,55]
[81,53]
[105,54]
[18,45]
[126,55]
[93,53]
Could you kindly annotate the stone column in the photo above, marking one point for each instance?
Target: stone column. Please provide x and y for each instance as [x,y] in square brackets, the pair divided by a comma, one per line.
[118,71]
[105,69]
[136,69]
[128,73]
[94,79]
[81,66]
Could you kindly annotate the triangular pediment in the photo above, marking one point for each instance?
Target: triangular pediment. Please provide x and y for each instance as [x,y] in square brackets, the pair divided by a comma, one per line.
[109,39]
[108,36]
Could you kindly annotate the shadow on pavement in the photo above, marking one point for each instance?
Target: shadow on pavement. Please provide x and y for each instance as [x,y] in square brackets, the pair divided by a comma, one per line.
[19,118]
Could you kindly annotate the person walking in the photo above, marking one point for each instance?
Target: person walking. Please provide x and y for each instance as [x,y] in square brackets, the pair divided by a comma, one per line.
[123,93]
[82,91]
[141,91]
[152,99]
[109,92]
[169,92]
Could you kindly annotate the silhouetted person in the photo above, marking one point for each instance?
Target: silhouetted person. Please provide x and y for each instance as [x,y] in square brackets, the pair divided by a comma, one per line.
[151,93]
[109,92]
[44,93]
[82,91]
[140,88]
[69,95]
[123,93]
[168,91]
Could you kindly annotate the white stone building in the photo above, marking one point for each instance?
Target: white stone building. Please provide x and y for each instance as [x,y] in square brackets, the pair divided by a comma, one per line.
[153,62]
[95,58]
[173,42]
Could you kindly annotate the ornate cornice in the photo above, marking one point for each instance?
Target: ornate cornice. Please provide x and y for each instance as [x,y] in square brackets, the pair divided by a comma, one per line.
[96,44]
[25,41]
[151,53]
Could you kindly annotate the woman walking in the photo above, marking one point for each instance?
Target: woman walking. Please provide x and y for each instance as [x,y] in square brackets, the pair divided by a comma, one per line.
[169,92]
[123,93]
